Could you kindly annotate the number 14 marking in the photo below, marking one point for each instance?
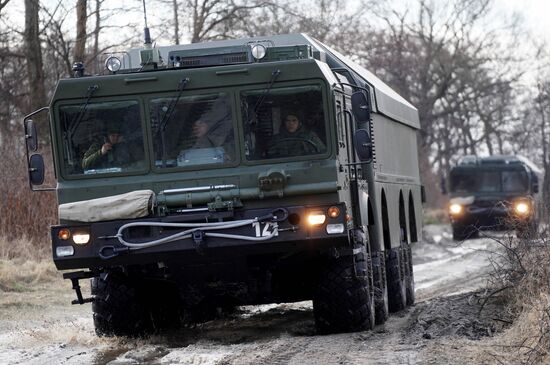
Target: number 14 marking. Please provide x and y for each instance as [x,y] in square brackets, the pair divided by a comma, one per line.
[269,228]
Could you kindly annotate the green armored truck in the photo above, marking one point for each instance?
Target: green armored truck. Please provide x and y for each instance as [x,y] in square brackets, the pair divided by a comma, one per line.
[204,176]
[496,192]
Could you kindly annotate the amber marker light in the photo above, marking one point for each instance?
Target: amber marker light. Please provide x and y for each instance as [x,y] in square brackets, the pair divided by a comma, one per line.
[455,209]
[64,234]
[333,212]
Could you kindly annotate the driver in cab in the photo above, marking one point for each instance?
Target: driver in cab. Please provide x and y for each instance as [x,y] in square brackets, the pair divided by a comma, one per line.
[295,140]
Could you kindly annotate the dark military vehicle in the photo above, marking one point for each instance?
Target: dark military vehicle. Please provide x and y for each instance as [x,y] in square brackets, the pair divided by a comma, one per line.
[496,192]
[234,172]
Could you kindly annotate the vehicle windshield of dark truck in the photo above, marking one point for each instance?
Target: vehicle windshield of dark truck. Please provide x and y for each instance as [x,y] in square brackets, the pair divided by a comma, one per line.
[496,181]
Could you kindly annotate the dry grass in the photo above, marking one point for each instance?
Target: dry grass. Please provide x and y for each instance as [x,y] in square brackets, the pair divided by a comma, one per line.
[23,264]
[436,216]
[522,279]
[22,212]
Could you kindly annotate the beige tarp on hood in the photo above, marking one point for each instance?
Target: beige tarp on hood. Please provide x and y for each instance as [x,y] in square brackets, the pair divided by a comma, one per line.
[134,204]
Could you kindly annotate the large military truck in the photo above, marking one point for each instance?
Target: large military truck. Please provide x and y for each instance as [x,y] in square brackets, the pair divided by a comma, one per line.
[235,172]
[496,193]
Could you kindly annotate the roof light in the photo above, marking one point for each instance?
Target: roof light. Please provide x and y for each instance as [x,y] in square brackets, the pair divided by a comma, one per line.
[258,51]
[113,64]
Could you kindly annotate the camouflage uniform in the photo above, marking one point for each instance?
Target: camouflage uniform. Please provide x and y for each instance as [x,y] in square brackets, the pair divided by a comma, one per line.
[118,156]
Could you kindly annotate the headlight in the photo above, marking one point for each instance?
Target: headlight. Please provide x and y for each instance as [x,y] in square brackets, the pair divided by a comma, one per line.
[113,64]
[81,238]
[316,219]
[455,209]
[521,208]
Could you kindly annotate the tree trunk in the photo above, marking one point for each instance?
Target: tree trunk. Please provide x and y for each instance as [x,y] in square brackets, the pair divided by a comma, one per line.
[80,44]
[33,52]
[176,22]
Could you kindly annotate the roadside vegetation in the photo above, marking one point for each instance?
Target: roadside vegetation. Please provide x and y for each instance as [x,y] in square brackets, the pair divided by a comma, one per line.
[521,280]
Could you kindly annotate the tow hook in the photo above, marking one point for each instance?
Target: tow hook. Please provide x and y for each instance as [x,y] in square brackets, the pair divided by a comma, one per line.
[200,243]
[115,251]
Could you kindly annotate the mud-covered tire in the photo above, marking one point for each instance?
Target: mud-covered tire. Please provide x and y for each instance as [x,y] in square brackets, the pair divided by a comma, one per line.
[397,293]
[381,308]
[409,275]
[343,301]
[116,308]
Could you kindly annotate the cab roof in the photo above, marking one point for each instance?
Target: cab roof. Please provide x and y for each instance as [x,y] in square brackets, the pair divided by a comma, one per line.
[387,101]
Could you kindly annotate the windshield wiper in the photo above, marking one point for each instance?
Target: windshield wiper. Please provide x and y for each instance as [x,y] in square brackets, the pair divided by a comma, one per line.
[260,101]
[166,117]
[71,129]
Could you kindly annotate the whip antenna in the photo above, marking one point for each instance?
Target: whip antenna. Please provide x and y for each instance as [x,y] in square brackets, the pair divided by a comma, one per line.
[146,29]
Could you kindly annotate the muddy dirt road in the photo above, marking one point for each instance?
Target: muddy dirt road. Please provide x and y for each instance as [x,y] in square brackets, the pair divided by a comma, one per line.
[41,327]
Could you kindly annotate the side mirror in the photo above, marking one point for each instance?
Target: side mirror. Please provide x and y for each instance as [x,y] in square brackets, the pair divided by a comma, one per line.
[535,182]
[360,107]
[443,185]
[36,169]
[363,145]
[31,137]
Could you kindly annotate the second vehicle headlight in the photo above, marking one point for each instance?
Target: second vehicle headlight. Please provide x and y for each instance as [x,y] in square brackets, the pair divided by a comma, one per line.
[521,208]
[455,209]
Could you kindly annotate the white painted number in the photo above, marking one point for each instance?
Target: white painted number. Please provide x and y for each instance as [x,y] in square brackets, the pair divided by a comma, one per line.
[269,228]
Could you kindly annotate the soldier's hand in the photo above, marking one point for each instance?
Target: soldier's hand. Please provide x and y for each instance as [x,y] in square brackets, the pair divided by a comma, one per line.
[106,148]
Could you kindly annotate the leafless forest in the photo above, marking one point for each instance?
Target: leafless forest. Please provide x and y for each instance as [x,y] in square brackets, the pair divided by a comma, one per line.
[478,79]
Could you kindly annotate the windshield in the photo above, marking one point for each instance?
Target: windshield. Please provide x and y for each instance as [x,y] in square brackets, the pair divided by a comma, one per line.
[488,181]
[198,131]
[105,137]
[287,122]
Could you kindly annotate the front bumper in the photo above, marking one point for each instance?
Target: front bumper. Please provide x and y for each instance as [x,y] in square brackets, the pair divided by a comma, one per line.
[293,234]
[500,215]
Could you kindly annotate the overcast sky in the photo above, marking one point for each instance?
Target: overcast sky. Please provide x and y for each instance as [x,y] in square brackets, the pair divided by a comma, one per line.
[535,13]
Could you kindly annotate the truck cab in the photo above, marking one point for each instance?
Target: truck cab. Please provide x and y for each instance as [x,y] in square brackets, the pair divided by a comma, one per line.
[234,172]
[493,193]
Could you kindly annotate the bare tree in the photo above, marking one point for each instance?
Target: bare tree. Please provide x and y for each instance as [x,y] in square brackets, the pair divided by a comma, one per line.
[33,52]
[439,61]
[81,34]
[542,103]
[3,3]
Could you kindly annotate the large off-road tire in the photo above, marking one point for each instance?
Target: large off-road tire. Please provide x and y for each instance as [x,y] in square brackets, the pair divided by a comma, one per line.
[117,308]
[380,288]
[397,293]
[409,275]
[343,301]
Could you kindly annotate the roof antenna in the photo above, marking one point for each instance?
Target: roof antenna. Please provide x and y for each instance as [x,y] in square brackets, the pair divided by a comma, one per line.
[149,56]
[146,29]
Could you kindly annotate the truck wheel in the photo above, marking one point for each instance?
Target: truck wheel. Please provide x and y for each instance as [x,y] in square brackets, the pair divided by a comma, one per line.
[117,308]
[343,301]
[380,288]
[396,284]
[409,275]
